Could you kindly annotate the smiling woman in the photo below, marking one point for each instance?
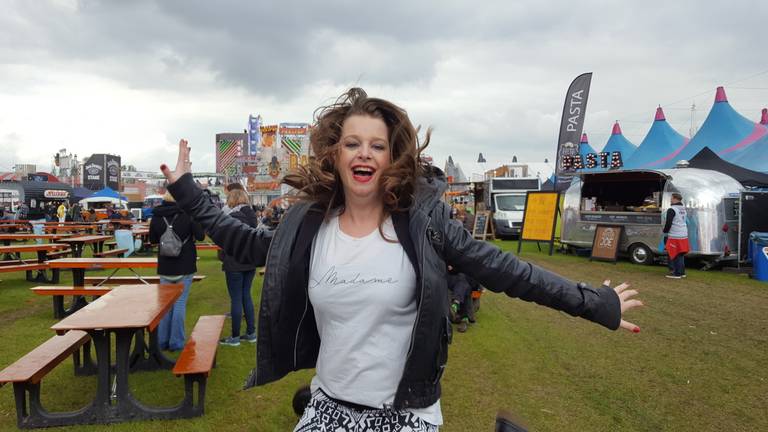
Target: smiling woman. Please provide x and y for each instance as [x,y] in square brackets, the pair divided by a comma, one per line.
[355,282]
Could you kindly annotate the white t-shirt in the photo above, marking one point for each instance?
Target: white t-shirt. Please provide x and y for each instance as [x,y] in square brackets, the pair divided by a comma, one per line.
[363,291]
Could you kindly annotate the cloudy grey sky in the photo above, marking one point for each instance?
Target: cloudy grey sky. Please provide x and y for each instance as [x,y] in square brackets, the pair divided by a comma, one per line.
[132,77]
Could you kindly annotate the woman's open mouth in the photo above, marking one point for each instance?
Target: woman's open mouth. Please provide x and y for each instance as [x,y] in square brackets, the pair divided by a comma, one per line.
[362,174]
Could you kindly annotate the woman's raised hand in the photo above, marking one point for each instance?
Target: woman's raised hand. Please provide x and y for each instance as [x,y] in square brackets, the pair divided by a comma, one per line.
[183,165]
[627,303]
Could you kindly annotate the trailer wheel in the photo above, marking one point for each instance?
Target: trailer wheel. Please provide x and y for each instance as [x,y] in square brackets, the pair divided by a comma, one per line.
[640,254]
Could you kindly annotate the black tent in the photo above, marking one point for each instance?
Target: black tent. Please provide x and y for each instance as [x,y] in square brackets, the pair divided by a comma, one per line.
[707,159]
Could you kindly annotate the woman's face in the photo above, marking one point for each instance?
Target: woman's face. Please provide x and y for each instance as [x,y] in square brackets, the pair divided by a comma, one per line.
[363,154]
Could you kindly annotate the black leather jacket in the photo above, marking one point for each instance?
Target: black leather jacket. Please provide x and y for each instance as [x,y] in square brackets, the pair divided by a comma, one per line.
[288,338]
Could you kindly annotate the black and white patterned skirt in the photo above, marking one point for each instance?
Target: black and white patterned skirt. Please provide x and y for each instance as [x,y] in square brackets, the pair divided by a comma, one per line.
[323,414]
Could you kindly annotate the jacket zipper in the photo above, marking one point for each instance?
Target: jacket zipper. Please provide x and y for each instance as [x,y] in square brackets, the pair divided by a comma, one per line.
[298,329]
[421,296]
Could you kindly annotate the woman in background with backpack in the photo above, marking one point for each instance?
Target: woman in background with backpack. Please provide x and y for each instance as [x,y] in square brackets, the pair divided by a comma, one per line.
[176,263]
[240,276]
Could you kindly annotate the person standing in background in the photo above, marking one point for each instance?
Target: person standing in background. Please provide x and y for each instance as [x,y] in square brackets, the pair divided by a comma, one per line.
[240,276]
[175,270]
[229,188]
[676,230]
[61,212]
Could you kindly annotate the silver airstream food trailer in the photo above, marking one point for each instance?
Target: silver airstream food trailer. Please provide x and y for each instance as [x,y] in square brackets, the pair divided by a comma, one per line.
[638,200]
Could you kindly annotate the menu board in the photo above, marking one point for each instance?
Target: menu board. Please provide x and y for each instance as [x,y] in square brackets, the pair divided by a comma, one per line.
[540,216]
[605,245]
[481,225]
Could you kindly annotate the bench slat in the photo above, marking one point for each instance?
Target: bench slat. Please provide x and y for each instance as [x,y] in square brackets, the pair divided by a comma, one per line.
[71,290]
[200,350]
[110,252]
[23,267]
[41,360]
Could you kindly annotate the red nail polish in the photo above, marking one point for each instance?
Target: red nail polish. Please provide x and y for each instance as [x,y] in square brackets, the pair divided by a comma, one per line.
[163,166]
[636,330]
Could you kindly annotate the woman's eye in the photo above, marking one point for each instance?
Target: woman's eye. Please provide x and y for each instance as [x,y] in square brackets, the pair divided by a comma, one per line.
[351,145]
[379,147]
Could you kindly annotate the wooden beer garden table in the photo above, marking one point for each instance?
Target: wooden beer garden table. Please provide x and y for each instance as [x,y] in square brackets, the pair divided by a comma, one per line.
[70,228]
[42,255]
[126,311]
[79,242]
[80,265]
[7,238]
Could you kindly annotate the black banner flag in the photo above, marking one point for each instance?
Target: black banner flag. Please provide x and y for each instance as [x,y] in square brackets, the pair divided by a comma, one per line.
[571,126]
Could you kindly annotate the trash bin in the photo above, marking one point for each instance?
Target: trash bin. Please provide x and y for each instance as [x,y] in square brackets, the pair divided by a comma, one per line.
[758,251]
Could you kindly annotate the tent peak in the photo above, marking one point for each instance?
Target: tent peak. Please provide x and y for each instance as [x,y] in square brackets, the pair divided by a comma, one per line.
[584,138]
[764,117]
[720,95]
[616,128]
[659,114]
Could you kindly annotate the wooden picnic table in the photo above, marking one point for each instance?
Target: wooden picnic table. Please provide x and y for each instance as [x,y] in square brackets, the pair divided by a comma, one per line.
[69,228]
[80,265]
[7,238]
[126,311]
[39,265]
[11,227]
[78,243]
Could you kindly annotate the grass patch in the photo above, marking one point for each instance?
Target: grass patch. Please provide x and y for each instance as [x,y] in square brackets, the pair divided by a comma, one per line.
[698,363]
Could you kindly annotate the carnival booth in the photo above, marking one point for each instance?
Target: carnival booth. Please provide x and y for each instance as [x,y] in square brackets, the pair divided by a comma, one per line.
[37,195]
[96,205]
[637,200]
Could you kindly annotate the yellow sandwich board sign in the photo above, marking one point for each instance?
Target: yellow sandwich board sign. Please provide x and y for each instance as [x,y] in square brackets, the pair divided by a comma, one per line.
[540,218]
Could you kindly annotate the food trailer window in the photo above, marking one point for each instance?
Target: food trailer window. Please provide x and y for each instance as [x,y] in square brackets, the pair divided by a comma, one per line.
[623,192]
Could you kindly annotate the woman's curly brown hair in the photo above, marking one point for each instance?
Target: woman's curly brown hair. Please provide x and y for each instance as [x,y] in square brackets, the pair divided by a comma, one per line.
[320,182]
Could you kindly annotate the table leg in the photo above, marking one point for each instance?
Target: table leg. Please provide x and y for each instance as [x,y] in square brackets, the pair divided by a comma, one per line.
[149,357]
[129,408]
[78,302]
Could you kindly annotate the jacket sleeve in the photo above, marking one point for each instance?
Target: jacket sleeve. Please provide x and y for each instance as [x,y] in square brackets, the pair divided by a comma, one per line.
[668,223]
[197,231]
[503,272]
[237,239]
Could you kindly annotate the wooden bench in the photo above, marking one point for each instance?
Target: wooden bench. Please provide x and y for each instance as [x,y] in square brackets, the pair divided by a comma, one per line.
[129,280]
[197,359]
[27,372]
[110,244]
[25,267]
[58,254]
[112,252]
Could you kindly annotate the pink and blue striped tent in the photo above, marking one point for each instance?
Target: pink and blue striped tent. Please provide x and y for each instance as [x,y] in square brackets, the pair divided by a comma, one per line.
[724,131]
[659,144]
[618,142]
[755,157]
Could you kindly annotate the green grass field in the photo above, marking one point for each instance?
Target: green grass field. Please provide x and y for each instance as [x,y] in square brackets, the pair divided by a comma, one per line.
[699,363]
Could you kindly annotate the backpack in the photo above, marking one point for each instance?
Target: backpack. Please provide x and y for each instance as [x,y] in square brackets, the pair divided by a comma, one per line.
[170,243]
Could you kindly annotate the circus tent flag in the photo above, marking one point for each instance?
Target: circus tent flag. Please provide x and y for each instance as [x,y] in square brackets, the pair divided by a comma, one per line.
[660,145]
[618,143]
[724,131]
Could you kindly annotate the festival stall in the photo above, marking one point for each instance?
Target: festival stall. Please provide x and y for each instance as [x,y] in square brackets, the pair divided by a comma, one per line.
[636,201]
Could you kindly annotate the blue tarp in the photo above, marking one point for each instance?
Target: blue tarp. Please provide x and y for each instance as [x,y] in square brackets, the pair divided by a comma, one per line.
[108,193]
